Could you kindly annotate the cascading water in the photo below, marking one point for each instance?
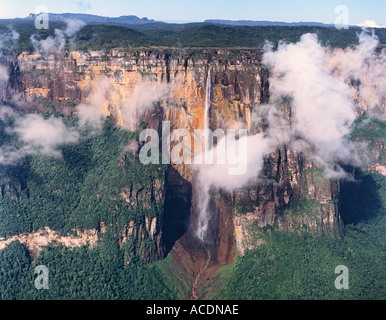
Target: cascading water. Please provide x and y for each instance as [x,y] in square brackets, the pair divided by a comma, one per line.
[204,187]
[207,108]
[203,194]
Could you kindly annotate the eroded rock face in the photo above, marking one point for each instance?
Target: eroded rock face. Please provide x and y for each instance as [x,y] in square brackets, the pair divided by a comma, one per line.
[296,197]
[239,84]
[67,77]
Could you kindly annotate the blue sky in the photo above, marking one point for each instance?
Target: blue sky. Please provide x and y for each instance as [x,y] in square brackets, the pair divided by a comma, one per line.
[199,10]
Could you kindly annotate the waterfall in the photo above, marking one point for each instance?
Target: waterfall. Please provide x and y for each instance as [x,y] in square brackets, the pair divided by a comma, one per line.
[204,187]
[207,109]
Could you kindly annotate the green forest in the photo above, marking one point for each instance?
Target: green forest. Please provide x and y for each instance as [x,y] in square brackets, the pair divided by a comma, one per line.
[301,266]
[79,191]
[179,36]
[287,266]
[82,190]
[81,274]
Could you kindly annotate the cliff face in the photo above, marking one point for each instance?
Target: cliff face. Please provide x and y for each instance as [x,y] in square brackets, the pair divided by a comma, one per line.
[295,194]
[296,197]
[144,237]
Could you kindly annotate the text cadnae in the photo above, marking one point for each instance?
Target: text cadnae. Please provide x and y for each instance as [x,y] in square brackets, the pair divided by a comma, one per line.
[214,309]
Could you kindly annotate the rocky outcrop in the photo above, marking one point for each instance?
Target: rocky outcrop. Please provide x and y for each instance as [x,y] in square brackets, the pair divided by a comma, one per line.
[143,239]
[295,197]
[43,237]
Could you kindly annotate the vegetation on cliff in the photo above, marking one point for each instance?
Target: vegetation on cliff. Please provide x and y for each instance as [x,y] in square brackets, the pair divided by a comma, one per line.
[99,183]
[83,190]
[299,265]
[80,191]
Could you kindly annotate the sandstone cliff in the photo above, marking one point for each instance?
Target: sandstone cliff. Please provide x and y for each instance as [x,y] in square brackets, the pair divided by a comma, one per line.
[176,80]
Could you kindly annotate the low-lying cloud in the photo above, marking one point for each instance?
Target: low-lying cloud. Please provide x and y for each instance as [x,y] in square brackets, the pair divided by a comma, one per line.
[246,164]
[322,107]
[44,136]
[33,134]
[366,67]
[143,98]
[104,99]
[7,39]
[57,42]
[92,112]
[312,109]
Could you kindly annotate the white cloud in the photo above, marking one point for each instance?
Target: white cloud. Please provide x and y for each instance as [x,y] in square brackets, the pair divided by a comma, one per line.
[92,112]
[142,99]
[251,151]
[321,115]
[367,67]
[43,135]
[56,43]
[7,39]
[3,73]
[369,24]
[322,105]
[32,134]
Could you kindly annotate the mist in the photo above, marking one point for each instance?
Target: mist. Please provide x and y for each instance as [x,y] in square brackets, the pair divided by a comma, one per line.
[44,136]
[92,112]
[142,99]
[3,73]
[230,173]
[7,39]
[322,108]
[366,67]
[32,134]
[57,42]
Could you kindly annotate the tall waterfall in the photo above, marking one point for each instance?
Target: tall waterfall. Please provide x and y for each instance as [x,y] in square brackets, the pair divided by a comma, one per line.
[204,187]
[207,109]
